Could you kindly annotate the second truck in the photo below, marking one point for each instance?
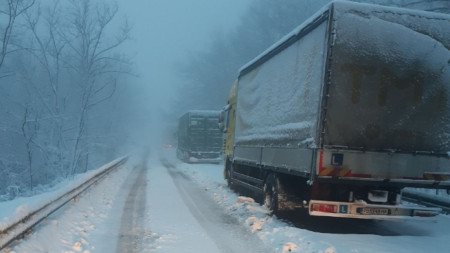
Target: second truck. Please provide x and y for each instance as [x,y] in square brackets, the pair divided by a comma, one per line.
[344,112]
[199,139]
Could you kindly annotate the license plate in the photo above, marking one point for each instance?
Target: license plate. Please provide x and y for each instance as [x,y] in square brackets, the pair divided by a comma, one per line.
[376,211]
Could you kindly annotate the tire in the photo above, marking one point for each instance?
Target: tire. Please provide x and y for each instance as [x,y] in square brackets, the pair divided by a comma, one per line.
[270,193]
[228,173]
[229,182]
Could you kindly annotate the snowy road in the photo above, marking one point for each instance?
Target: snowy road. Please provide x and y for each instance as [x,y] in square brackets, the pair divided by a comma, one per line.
[225,231]
[166,206]
[131,233]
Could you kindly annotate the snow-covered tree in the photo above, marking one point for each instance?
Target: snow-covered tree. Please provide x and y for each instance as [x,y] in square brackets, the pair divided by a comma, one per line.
[10,10]
[57,108]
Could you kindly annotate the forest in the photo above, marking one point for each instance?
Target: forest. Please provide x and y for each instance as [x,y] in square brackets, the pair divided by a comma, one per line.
[61,79]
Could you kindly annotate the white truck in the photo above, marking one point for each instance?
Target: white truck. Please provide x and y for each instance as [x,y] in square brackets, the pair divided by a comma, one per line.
[344,112]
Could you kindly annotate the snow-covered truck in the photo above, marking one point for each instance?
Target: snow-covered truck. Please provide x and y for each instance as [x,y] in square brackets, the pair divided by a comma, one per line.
[199,138]
[344,112]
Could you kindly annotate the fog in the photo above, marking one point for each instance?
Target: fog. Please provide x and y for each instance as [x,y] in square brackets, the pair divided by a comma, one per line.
[83,82]
[165,34]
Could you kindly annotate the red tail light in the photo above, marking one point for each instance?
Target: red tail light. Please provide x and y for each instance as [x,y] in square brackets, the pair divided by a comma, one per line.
[324,208]
[422,213]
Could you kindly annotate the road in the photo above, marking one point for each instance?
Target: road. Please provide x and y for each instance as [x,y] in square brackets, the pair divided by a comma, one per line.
[163,210]
[172,207]
[131,233]
[226,232]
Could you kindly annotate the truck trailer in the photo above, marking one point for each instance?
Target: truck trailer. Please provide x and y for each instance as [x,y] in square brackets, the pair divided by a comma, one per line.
[343,113]
[199,138]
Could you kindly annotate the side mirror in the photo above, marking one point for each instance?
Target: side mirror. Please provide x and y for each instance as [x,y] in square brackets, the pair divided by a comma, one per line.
[223,118]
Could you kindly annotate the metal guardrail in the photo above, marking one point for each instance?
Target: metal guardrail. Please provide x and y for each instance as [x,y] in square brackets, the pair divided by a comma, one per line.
[24,224]
[426,200]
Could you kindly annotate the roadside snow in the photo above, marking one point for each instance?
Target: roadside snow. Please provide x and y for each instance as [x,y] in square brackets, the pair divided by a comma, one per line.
[75,227]
[15,210]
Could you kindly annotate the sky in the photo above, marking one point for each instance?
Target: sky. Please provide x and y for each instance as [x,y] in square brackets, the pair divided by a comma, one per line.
[165,32]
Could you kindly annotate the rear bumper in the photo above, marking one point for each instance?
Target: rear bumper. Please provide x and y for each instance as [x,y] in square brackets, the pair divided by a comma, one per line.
[205,160]
[190,156]
[362,210]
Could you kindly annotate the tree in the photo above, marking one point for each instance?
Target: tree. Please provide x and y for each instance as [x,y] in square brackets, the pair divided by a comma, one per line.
[94,62]
[58,108]
[47,47]
[10,10]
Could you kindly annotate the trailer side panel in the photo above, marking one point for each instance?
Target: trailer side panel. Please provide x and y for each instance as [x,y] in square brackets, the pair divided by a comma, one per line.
[389,80]
[278,105]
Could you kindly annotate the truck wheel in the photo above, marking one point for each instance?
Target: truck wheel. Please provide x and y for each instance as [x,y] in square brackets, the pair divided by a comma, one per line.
[228,173]
[271,193]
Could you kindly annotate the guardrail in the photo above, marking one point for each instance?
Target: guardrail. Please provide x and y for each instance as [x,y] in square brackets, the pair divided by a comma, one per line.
[24,224]
[426,200]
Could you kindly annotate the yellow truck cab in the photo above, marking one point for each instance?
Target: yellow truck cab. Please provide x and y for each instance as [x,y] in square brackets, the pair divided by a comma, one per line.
[227,121]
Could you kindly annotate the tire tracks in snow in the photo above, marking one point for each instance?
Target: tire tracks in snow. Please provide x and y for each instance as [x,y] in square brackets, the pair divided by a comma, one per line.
[132,231]
[225,231]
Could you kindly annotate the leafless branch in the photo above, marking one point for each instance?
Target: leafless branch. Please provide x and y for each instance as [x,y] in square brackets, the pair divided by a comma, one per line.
[15,8]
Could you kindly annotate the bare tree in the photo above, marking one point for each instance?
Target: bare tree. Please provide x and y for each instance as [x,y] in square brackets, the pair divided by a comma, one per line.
[48,49]
[29,132]
[10,10]
[95,62]
[67,67]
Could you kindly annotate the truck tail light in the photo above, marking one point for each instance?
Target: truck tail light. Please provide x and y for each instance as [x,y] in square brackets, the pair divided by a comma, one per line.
[324,208]
[423,213]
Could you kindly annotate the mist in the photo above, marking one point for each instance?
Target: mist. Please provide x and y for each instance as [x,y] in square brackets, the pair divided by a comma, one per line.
[165,35]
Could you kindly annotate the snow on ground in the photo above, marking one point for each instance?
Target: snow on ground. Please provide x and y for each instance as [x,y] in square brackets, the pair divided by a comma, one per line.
[78,225]
[11,211]
[381,236]
[92,224]
[14,210]
[439,195]
[167,205]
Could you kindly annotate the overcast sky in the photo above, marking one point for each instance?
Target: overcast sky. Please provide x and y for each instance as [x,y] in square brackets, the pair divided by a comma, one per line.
[166,31]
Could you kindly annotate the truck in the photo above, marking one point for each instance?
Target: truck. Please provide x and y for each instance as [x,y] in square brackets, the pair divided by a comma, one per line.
[199,138]
[343,113]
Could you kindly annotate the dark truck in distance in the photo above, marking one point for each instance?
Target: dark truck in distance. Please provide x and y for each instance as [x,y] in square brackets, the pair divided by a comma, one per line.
[344,112]
[199,138]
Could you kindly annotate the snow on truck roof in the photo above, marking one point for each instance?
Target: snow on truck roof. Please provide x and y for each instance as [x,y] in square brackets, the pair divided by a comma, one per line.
[320,15]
